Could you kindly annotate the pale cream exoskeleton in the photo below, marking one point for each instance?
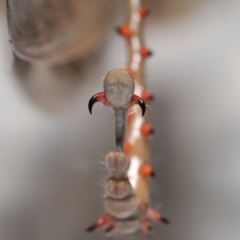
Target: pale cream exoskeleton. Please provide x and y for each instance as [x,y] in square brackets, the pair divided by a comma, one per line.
[118,94]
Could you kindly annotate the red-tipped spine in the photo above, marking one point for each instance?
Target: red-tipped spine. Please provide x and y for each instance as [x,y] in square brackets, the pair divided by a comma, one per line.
[146,129]
[143,11]
[145,52]
[146,171]
[125,31]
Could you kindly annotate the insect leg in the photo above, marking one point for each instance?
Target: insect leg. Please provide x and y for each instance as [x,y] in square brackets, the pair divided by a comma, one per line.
[156,216]
[102,222]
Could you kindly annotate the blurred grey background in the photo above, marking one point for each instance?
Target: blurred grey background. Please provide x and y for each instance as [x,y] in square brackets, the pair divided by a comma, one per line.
[51,148]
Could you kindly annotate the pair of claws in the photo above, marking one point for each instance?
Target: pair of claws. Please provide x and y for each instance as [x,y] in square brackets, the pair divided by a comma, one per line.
[118,92]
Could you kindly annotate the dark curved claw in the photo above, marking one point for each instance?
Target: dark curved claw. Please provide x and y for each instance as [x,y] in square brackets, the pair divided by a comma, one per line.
[99,97]
[142,104]
[137,100]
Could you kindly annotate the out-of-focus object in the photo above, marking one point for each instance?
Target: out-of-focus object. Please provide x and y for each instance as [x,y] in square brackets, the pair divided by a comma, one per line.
[54,32]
